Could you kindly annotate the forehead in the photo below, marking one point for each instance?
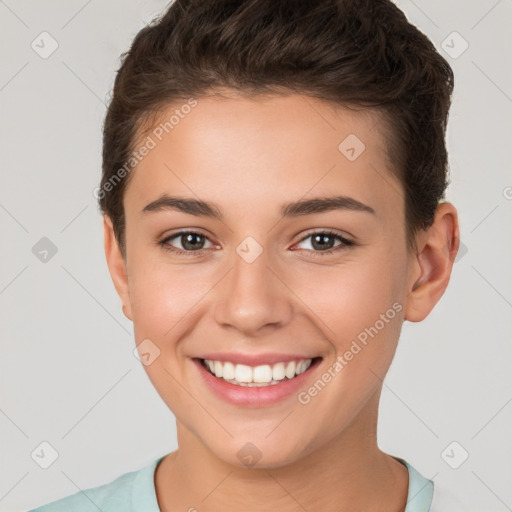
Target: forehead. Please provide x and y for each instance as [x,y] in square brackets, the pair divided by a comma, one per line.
[257,151]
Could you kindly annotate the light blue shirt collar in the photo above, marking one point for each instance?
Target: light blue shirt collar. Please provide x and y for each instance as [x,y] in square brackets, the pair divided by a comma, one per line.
[419,495]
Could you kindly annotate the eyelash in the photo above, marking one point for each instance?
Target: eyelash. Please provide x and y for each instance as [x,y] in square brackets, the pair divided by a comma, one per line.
[345,244]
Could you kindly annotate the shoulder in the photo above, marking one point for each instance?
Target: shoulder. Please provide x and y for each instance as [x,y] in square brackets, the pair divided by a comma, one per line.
[447,500]
[94,498]
[425,495]
[113,496]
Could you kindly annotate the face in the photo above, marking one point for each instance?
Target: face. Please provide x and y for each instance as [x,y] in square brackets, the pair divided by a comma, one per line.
[299,254]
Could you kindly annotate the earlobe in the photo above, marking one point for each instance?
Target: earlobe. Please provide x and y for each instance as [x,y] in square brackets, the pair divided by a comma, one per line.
[433,263]
[116,266]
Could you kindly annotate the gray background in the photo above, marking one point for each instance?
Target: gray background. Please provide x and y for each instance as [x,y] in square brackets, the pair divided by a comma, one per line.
[69,376]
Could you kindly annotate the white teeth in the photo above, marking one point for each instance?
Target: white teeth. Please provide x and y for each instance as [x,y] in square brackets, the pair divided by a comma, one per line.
[243,373]
[218,368]
[263,375]
[228,371]
[290,370]
[278,372]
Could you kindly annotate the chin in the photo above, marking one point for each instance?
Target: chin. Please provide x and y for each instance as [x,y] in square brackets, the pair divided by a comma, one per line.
[258,452]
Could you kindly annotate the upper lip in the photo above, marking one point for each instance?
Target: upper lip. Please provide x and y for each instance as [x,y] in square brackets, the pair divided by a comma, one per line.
[254,359]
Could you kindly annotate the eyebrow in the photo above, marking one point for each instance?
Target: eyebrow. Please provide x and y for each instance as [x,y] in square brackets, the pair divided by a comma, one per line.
[201,208]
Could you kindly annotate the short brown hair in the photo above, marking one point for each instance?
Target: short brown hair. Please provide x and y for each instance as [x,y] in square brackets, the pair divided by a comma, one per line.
[361,53]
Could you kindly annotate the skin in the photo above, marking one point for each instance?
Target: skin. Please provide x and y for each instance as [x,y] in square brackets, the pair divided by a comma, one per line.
[249,157]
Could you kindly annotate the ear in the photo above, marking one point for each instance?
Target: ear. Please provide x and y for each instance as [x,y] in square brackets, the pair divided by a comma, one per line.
[116,265]
[432,263]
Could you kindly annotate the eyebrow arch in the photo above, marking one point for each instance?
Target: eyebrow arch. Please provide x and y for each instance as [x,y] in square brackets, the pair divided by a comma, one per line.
[201,208]
[324,204]
[185,205]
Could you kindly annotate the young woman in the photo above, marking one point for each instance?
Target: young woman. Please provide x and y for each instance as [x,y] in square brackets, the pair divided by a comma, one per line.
[273,184]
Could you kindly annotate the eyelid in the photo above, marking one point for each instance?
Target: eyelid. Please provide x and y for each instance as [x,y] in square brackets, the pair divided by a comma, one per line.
[327,231]
[184,231]
[164,241]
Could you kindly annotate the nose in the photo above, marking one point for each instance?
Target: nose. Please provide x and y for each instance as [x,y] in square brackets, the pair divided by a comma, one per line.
[253,298]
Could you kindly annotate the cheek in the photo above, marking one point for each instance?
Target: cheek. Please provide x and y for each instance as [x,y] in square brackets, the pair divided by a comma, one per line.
[162,295]
[359,308]
[350,296]
[157,304]
[162,301]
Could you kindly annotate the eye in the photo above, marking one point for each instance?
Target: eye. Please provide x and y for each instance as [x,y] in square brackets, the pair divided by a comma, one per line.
[323,242]
[191,242]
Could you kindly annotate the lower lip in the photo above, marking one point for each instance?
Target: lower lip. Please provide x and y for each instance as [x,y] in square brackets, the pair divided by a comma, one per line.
[254,396]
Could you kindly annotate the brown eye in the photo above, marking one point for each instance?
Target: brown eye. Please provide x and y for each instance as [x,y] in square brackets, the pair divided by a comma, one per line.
[324,242]
[186,242]
[192,241]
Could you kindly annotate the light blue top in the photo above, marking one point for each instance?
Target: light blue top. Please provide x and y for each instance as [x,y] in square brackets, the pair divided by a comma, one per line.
[135,492]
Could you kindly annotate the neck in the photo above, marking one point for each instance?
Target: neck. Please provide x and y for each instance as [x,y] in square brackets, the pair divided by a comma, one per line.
[347,472]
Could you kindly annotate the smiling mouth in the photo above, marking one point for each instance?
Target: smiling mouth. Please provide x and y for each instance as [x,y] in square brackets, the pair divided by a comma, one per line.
[258,376]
